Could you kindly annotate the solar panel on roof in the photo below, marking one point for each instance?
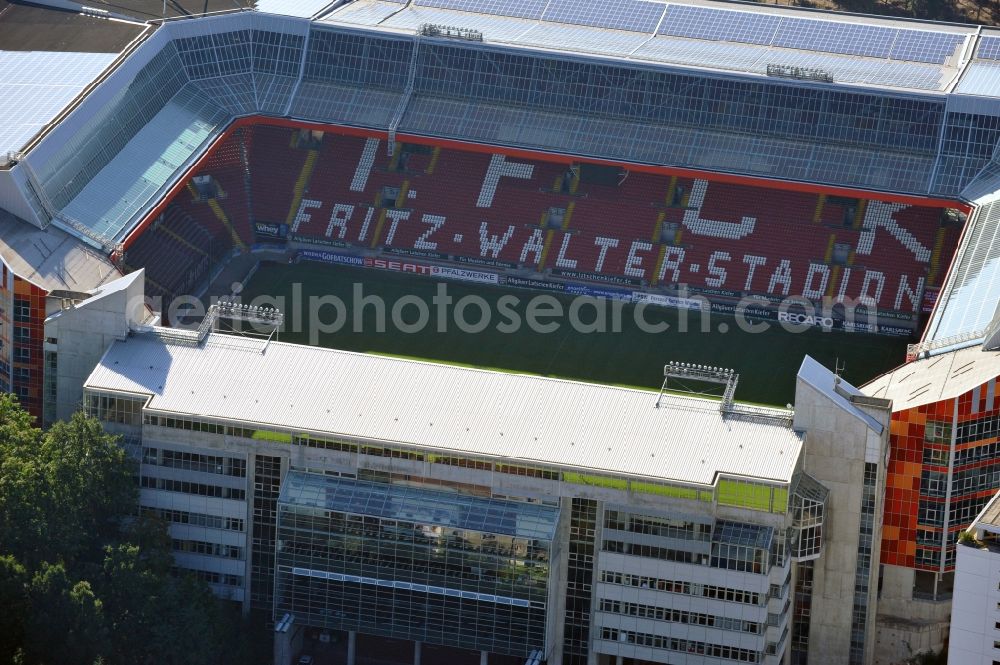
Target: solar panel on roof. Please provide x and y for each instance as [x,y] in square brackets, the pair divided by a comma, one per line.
[519,8]
[809,34]
[925,46]
[719,24]
[873,41]
[989,48]
[634,15]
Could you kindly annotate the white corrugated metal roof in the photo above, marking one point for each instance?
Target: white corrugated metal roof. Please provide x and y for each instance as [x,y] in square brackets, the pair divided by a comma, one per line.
[447,407]
[35,86]
[939,377]
[52,259]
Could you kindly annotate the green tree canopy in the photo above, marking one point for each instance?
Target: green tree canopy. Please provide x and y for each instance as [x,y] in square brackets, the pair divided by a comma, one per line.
[84,580]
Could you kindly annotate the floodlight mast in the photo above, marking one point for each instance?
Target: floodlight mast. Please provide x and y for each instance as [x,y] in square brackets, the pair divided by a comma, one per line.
[260,316]
[703,374]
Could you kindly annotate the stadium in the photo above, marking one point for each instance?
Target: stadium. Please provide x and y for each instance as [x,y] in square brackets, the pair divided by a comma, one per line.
[834,172]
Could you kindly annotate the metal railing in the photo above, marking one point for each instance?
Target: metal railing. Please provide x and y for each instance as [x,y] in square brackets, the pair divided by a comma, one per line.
[914,351]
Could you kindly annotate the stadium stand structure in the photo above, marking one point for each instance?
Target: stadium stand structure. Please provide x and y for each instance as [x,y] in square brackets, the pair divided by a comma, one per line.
[627,142]
[672,143]
[582,221]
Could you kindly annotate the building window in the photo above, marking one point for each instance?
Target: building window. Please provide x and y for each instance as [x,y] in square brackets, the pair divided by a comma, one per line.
[22,310]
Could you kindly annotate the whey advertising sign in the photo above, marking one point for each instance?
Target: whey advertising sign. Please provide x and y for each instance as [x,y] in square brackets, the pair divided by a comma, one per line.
[271,230]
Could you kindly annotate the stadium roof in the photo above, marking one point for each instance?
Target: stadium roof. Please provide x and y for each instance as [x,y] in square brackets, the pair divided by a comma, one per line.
[697,33]
[52,259]
[25,27]
[778,93]
[514,416]
[876,105]
[933,379]
[47,58]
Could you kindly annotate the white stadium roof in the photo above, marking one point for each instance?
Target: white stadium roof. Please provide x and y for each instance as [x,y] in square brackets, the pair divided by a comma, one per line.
[936,378]
[725,36]
[35,87]
[448,408]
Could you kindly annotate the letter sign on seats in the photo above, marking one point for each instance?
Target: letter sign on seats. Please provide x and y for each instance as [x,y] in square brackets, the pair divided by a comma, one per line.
[364,167]
[811,290]
[753,261]
[302,217]
[912,294]
[883,214]
[604,244]
[363,233]
[718,272]
[781,275]
[561,260]
[396,216]
[711,227]
[490,246]
[499,168]
[633,262]
[876,278]
[340,216]
[436,222]
[534,245]
[672,260]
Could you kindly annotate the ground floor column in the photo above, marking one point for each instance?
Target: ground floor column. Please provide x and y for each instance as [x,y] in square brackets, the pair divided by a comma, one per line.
[352,641]
[416,652]
[484,657]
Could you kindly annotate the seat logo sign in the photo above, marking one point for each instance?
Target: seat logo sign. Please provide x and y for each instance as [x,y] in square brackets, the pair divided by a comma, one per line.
[805,319]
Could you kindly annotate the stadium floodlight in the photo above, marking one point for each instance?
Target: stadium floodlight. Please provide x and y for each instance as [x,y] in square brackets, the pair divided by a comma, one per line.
[701,374]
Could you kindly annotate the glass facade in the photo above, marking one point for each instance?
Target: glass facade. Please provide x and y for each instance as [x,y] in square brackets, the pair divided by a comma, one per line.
[808,513]
[802,614]
[266,485]
[862,573]
[579,581]
[414,563]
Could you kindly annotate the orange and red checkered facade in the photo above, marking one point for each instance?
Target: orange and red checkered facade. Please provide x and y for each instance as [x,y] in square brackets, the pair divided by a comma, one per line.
[930,489]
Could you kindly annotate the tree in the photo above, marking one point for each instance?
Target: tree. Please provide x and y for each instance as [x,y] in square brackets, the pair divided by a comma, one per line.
[14,601]
[62,493]
[65,622]
[83,579]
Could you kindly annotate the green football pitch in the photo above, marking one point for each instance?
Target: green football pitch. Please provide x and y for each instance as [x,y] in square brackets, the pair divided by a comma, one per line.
[766,361]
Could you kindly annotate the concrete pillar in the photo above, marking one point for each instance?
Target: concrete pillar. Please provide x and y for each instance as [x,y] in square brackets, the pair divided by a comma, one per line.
[416,653]
[619,660]
[484,657]
[352,640]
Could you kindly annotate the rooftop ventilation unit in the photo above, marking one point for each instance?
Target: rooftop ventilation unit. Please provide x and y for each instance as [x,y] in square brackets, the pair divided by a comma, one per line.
[802,73]
[451,32]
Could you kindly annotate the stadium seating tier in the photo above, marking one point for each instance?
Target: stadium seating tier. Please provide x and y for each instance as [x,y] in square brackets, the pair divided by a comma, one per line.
[578,221]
